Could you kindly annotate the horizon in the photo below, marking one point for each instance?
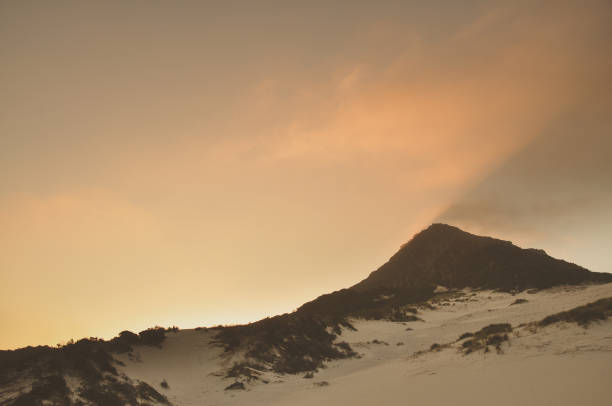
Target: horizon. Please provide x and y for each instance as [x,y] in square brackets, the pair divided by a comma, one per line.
[201,163]
[230,323]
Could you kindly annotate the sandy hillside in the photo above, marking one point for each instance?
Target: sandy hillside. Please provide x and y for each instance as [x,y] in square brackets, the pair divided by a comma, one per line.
[560,364]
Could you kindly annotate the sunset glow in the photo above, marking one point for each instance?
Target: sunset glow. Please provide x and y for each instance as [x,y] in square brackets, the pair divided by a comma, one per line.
[198,163]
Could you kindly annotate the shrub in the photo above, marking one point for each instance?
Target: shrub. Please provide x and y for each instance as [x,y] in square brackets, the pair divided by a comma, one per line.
[90,360]
[115,392]
[494,329]
[401,316]
[496,339]
[289,343]
[582,315]
[236,386]
[50,388]
[303,340]
[153,336]
[128,337]
[246,369]
[124,341]
[147,392]
[493,334]
[18,360]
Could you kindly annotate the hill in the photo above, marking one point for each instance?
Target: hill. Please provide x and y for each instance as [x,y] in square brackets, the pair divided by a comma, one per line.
[403,290]
[448,256]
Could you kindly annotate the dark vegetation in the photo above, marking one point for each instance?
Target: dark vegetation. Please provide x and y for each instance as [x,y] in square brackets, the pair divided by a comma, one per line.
[89,359]
[303,340]
[236,386]
[164,384]
[152,336]
[491,335]
[248,370]
[52,388]
[400,315]
[494,335]
[465,335]
[88,356]
[582,315]
[107,391]
[113,391]
[384,303]
[286,344]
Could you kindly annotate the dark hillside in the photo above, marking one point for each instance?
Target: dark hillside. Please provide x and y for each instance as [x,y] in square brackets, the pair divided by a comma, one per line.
[445,255]
[439,255]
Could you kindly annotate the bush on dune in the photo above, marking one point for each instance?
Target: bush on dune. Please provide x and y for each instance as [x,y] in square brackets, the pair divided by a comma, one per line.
[153,336]
[287,343]
[301,341]
[90,359]
[51,388]
[493,334]
[582,315]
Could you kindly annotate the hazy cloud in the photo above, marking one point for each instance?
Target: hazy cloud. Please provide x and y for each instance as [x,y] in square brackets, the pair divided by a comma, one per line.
[220,155]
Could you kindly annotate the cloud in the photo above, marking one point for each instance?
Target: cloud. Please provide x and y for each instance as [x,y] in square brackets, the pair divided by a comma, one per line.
[553,193]
[441,113]
[306,151]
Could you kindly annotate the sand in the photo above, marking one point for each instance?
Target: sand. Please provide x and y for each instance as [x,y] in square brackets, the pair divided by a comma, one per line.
[562,364]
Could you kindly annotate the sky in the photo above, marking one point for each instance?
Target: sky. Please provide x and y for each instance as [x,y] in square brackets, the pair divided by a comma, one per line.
[196,163]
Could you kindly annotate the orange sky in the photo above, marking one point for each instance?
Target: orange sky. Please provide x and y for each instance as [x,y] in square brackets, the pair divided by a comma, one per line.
[191,163]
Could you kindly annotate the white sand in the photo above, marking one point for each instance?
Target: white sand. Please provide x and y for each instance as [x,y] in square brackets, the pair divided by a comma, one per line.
[557,365]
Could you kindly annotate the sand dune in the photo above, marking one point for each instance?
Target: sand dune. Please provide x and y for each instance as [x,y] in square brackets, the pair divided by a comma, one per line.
[561,364]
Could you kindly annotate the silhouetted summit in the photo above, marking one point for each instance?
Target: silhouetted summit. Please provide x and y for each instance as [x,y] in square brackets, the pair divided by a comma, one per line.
[448,256]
